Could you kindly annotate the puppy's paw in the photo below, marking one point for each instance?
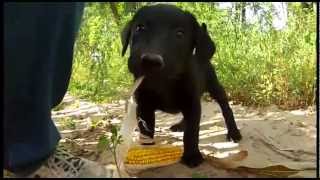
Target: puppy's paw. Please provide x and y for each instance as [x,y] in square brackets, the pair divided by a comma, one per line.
[192,160]
[234,135]
[146,140]
[179,127]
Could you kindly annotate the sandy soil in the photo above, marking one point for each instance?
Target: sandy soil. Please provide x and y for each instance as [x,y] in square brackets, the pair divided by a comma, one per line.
[270,137]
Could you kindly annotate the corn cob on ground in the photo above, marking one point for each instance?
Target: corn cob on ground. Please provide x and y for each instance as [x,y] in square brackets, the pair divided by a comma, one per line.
[143,157]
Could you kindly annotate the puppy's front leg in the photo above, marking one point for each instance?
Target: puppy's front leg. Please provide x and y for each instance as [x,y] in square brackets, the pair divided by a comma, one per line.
[146,119]
[191,113]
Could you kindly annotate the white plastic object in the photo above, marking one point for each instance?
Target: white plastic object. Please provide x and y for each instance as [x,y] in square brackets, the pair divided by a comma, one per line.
[127,127]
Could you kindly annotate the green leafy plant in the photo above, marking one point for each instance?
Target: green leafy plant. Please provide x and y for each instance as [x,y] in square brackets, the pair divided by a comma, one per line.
[111,144]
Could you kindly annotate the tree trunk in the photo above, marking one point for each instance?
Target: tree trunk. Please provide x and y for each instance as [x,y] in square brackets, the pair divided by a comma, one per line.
[115,13]
[130,6]
[307,5]
[213,5]
[237,11]
[243,13]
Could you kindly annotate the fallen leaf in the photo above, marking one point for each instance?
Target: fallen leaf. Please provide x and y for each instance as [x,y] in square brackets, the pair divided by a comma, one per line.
[301,166]
[239,156]
[270,171]
[228,162]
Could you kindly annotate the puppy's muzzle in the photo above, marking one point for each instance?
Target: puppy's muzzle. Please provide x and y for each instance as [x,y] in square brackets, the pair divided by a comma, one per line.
[151,62]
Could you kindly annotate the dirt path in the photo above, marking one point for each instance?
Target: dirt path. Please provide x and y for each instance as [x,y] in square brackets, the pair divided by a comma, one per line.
[270,137]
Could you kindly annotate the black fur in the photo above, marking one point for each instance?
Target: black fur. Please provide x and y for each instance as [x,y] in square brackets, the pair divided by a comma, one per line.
[167,31]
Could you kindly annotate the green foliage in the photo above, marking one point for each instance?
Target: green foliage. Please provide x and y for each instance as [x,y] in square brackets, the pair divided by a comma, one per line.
[95,122]
[257,64]
[103,143]
[111,144]
[99,71]
[68,123]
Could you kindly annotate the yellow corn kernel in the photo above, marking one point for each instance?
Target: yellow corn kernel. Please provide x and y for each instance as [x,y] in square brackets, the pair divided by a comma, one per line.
[153,155]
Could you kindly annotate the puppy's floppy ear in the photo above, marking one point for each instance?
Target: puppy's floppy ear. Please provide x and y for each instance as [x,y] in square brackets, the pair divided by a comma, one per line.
[125,37]
[204,46]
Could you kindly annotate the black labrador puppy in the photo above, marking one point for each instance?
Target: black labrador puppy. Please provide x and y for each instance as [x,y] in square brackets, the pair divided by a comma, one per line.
[173,52]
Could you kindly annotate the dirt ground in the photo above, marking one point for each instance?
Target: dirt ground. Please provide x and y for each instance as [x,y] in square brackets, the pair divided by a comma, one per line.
[276,143]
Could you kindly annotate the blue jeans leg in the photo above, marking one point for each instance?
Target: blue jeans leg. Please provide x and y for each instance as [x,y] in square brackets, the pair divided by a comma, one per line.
[38,55]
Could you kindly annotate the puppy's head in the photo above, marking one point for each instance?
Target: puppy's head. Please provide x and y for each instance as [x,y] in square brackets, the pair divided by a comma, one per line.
[162,39]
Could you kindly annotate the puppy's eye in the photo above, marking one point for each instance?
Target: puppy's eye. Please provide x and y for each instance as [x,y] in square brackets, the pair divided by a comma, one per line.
[140,27]
[180,33]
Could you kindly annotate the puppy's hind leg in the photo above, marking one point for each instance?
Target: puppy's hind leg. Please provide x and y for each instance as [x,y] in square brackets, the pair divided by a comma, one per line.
[218,93]
[178,127]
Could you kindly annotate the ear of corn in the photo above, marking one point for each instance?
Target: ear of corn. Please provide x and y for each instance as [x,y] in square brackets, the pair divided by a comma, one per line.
[155,156]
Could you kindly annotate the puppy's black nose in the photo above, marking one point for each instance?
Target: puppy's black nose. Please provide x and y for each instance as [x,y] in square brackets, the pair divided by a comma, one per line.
[152,61]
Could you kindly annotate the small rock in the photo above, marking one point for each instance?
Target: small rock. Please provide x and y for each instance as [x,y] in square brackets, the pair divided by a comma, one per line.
[115,121]
[301,124]
[122,102]
[273,108]
[298,132]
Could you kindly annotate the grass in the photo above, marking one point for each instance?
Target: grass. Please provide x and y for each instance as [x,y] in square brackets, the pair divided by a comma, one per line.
[68,123]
